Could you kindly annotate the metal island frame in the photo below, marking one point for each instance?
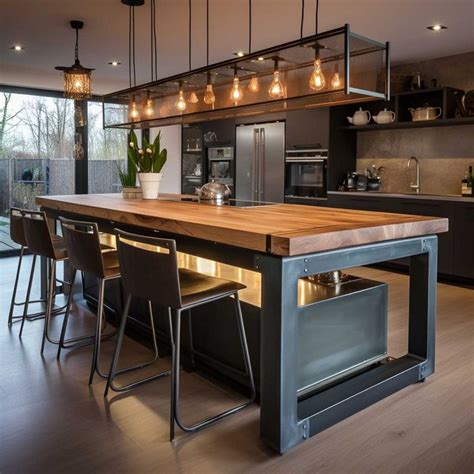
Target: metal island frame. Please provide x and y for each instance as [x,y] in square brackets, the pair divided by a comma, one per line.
[304,241]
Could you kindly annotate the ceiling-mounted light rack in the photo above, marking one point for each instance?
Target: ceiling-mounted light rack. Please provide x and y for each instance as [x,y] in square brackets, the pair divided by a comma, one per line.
[362,65]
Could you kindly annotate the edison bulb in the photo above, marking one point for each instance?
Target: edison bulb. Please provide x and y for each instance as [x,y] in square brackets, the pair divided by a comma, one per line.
[193,98]
[134,115]
[336,82]
[149,107]
[236,92]
[317,81]
[209,97]
[180,102]
[254,86]
[277,89]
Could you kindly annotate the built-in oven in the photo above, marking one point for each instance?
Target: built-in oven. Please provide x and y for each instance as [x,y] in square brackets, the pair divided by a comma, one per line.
[220,165]
[306,173]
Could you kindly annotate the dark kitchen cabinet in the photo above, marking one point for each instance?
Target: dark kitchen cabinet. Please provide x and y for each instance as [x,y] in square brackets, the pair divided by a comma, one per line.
[464,243]
[446,240]
[455,247]
[307,127]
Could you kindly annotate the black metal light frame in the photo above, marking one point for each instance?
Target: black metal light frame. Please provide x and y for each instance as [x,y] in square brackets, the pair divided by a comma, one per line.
[352,91]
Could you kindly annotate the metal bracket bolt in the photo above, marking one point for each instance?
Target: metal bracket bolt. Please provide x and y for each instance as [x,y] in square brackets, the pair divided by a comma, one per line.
[305,430]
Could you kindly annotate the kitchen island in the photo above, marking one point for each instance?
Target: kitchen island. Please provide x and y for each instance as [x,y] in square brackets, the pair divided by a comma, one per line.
[284,244]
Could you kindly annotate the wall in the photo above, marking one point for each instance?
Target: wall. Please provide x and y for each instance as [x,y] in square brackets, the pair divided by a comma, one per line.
[445,153]
[171,140]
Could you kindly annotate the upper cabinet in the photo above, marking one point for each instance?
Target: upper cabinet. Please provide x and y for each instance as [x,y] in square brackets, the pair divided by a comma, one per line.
[307,127]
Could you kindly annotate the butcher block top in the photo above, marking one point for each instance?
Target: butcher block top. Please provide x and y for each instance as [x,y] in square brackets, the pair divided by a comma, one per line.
[280,229]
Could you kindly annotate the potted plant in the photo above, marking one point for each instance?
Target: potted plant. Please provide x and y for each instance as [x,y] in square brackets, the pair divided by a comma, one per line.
[149,162]
[374,177]
[128,180]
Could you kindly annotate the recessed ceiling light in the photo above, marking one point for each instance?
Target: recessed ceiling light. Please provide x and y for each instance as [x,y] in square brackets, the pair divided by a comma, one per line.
[239,54]
[437,27]
[115,63]
[261,58]
[17,47]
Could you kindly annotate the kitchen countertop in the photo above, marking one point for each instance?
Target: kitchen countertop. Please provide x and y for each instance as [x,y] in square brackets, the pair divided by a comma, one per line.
[280,229]
[430,197]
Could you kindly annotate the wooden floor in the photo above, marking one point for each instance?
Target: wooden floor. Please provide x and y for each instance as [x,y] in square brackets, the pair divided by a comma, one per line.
[52,422]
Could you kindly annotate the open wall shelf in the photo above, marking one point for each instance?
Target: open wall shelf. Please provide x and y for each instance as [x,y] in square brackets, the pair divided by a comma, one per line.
[443,97]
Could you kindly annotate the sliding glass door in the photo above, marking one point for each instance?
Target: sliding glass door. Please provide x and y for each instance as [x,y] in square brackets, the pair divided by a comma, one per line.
[36,153]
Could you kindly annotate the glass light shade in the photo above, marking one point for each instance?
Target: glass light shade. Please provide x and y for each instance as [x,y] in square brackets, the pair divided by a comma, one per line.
[149,108]
[254,85]
[317,81]
[276,89]
[193,98]
[134,113]
[77,84]
[336,82]
[236,92]
[209,96]
[180,102]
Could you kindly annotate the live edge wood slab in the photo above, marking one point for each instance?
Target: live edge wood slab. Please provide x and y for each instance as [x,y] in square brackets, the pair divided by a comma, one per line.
[280,229]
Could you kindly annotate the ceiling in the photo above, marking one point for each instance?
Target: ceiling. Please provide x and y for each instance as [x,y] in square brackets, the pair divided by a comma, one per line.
[42,27]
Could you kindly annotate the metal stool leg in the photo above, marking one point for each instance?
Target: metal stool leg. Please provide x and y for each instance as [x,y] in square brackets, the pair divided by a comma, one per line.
[175,346]
[49,302]
[113,372]
[98,330]
[175,386]
[15,287]
[66,314]
[28,293]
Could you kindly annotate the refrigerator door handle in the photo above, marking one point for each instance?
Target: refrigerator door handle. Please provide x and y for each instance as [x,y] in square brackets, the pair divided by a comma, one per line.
[261,184]
[255,162]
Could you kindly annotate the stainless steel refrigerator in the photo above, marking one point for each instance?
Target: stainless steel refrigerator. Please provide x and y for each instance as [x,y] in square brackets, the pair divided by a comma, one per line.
[260,162]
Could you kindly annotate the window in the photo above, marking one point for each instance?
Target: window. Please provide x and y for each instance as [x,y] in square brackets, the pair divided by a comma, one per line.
[107,153]
[36,147]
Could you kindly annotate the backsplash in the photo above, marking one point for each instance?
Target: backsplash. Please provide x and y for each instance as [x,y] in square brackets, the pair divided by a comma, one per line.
[445,153]
[437,175]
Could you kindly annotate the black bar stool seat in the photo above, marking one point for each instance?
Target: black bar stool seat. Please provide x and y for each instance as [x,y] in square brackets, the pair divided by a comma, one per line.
[197,288]
[86,254]
[150,271]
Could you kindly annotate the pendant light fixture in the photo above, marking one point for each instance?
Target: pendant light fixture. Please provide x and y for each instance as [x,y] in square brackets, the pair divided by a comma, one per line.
[317,80]
[209,96]
[180,103]
[236,91]
[254,85]
[77,78]
[276,89]
[359,69]
[133,112]
[149,103]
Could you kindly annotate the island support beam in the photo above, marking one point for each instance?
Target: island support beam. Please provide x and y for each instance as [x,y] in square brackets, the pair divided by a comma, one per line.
[286,421]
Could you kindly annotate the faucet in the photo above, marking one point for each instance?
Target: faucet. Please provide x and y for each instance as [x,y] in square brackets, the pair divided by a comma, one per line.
[415,187]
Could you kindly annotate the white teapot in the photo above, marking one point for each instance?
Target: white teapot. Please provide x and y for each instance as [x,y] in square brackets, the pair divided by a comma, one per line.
[384,116]
[360,117]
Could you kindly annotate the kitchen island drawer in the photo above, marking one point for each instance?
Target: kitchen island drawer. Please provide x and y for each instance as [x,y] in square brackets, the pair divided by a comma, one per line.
[342,330]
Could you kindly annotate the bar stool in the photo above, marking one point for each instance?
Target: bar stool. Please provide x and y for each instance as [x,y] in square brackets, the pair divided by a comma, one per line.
[154,276]
[41,242]
[17,234]
[86,255]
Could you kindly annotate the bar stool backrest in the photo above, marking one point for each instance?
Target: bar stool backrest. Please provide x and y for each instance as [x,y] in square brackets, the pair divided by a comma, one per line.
[17,228]
[83,246]
[37,233]
[146,272]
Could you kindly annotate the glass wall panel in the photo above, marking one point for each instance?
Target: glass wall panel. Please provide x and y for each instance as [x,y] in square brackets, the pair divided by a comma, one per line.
[36,153]
[107,153]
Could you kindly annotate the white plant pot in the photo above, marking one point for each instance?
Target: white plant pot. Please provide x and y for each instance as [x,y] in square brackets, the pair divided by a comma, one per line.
[150,184]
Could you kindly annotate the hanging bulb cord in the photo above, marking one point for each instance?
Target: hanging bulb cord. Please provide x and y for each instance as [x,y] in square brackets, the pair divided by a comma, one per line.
[316,18]
[189,34]
[76,50]
[302,19]
[207,32]
[155,41]
[250,26]
[133,33]
[130,46]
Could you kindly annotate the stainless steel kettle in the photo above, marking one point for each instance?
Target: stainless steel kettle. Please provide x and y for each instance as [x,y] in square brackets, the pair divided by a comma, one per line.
[213,192]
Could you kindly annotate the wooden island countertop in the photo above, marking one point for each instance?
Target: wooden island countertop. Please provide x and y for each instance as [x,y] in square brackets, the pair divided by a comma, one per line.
[280,229]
